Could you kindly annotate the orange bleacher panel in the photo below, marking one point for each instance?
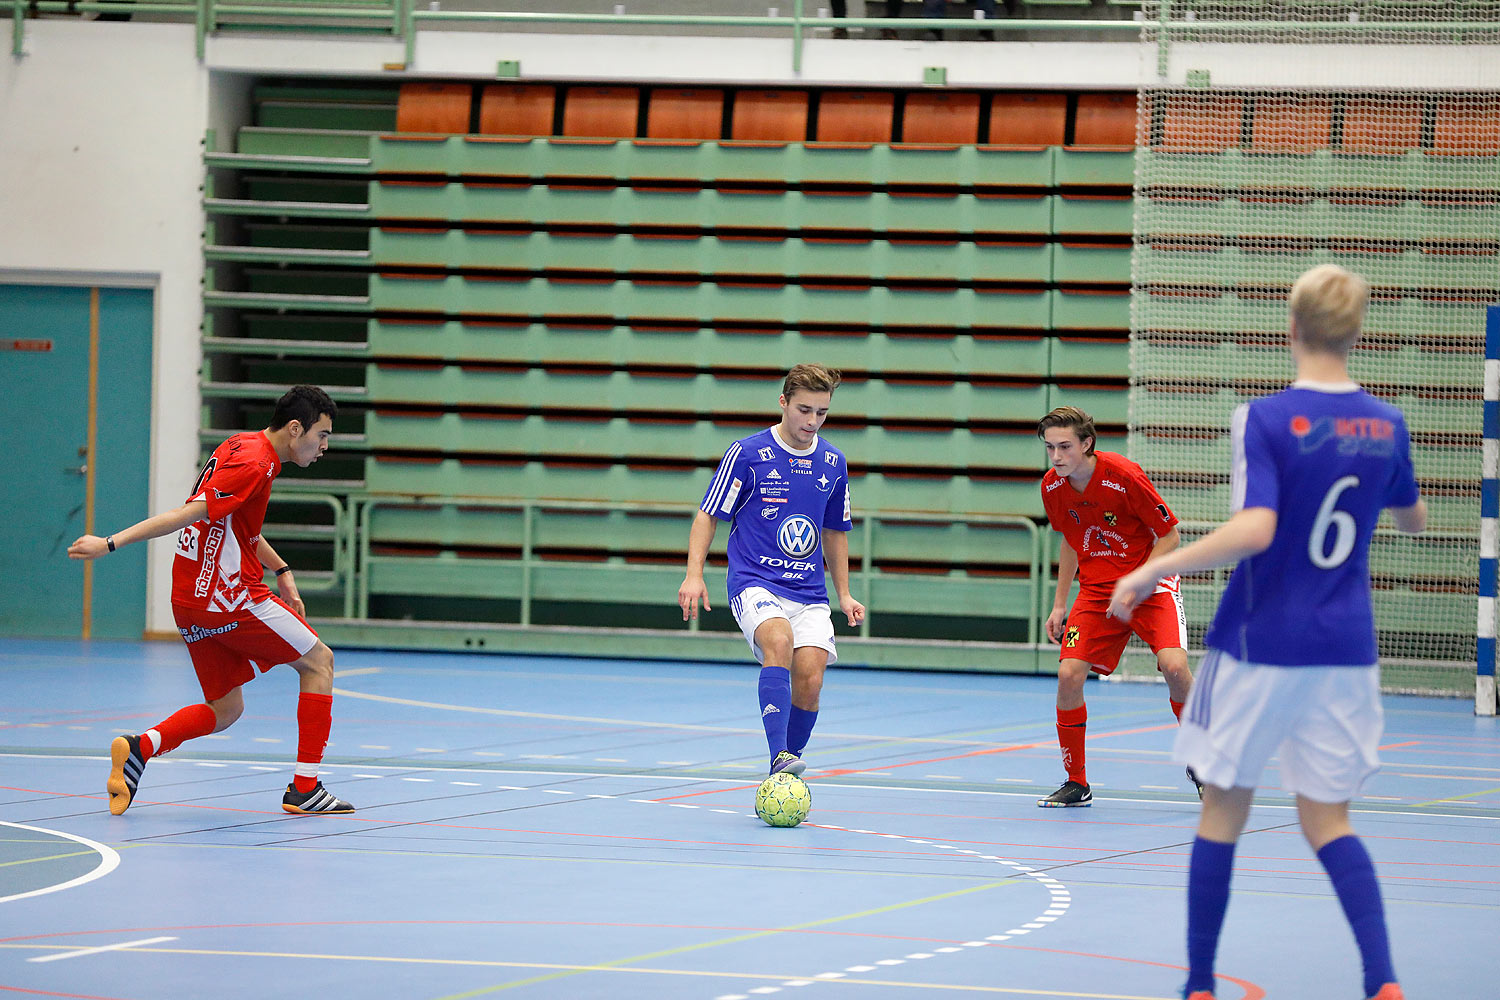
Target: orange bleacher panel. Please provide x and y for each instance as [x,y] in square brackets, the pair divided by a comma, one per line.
[1198,123]
[517,109]
[1291,124]
[601,112]
[1105,120]
[770,116]
[685,114]
[1028,119]
[941,118]
[1381,125]
[1467,126]
[434,107]
[856,116]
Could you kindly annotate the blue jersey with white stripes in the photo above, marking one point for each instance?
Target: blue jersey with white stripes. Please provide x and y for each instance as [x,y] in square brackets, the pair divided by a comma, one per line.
[1327,459]
[779,500]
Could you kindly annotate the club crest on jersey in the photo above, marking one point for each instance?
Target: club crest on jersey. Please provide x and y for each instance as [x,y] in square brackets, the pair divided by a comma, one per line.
[766,454]
[797,536]
[824,484]
[1109,518]
[1070,638]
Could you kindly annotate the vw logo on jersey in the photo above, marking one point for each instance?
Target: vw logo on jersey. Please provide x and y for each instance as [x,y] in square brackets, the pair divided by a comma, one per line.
[797,536]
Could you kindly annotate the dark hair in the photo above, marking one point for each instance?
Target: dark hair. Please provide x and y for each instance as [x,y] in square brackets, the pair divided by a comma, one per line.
[304,404]
[1070,416]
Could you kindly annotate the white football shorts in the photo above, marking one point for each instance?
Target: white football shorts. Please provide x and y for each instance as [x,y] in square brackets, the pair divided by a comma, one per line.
[812,624]
[1324,723]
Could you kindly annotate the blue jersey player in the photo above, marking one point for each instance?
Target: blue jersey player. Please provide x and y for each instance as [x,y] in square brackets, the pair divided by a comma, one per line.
[1291,662]
[786,492]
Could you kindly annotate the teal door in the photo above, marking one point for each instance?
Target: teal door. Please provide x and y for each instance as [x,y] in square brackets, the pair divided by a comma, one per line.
[51,338]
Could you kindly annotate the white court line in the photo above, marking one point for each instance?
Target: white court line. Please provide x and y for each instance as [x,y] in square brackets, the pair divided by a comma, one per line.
[108,861]
[59,956]
[1107,795]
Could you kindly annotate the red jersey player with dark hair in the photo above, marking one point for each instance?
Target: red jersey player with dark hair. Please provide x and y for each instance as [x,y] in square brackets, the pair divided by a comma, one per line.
[1112,520]
[233,625]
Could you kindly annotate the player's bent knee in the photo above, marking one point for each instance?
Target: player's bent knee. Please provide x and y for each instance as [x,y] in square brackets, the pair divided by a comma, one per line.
[316,662]
[227,710]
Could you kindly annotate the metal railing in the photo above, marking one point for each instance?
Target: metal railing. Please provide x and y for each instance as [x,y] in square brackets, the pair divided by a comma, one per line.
[528,562]
[404,18]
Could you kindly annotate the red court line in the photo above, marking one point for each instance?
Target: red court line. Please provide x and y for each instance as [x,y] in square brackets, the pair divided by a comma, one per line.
[49,993]
[842,771]
[1397,746]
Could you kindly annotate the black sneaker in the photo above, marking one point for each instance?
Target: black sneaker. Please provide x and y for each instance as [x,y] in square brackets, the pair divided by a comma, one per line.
[788,762]
[125,767]
[1070,794]
[1193,777]
[319,800]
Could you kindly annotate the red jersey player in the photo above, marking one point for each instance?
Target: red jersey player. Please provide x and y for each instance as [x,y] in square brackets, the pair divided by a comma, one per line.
[233,625]
[1112,520]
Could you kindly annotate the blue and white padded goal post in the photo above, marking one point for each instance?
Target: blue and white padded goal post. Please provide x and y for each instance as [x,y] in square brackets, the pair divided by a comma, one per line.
[1489,517]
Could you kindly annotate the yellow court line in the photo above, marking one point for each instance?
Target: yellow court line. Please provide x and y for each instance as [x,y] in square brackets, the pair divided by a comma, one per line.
[1455,798]
[50,857]
[571,969]
[736,939]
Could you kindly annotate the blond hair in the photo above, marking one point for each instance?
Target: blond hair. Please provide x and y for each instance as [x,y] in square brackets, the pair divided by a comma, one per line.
[1327,305]
[1070,416]
[812,378]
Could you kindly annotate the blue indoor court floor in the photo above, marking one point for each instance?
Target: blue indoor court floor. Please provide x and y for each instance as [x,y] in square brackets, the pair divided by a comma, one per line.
[565,828]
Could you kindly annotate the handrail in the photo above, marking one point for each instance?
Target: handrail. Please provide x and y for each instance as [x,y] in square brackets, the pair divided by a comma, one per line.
[342,562]
[404,20]
[365,503]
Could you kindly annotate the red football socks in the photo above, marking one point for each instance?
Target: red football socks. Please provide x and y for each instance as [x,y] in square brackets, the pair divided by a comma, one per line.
[185,724]
[1176,708]
[1071,726]
[314,720]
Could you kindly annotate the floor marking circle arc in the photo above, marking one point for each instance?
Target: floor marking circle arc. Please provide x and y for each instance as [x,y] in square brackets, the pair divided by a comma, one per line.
[108,861]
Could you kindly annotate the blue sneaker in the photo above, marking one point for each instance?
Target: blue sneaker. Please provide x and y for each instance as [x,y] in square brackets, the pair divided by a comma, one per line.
[788,762]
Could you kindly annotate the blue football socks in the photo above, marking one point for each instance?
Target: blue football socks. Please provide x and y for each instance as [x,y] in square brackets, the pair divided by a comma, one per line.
[775,706]
[799,728]
[1353,873]
[1209,871]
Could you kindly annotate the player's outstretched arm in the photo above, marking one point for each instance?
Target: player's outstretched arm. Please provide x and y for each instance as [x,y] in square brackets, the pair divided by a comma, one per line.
[1247,533]
[93,546]
[1412,520]
[836,558]
[693,589]
[1067,568]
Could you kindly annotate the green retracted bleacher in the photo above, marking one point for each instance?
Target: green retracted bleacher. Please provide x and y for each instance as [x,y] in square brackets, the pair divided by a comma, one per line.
[546,309]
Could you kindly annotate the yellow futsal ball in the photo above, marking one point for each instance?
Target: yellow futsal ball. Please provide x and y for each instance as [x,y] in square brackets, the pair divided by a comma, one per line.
[783,800]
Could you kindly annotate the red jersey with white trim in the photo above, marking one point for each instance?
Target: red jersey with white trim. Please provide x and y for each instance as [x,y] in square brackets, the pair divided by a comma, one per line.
[1113,523]
[216,568]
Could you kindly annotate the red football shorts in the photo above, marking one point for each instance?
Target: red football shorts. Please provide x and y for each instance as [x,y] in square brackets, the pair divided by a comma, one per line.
[229,647]
[1098,639]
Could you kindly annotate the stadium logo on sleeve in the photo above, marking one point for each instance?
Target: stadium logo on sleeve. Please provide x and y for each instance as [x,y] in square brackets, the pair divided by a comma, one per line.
[1166,515]
[797,536]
